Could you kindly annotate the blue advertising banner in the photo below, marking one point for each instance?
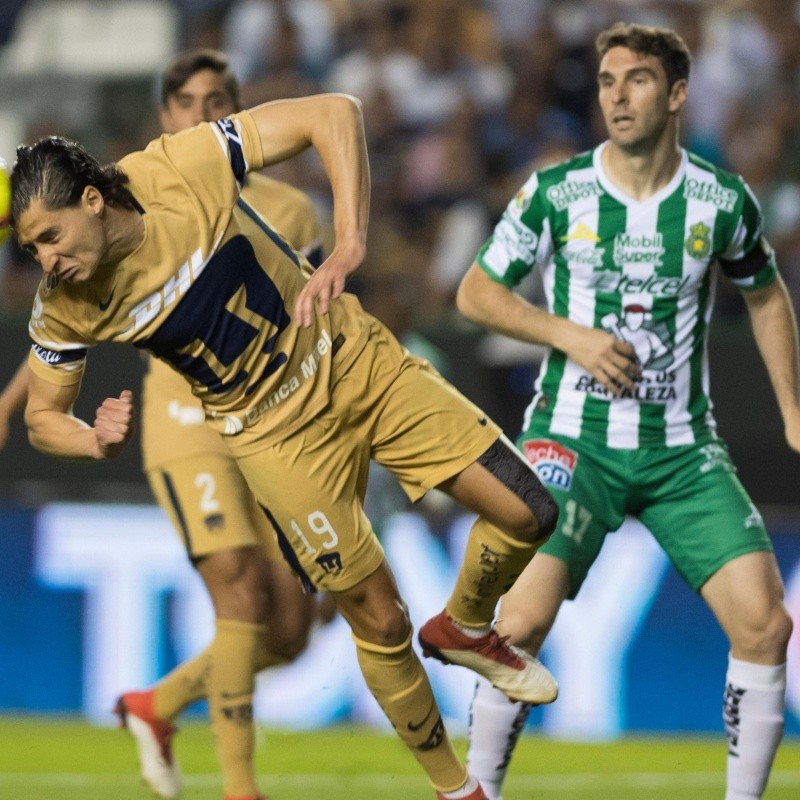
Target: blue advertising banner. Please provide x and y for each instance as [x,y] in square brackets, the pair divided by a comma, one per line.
[99,599]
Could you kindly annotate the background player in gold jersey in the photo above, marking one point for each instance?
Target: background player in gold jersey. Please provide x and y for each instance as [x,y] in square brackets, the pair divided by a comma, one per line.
[306,386]
[196,481]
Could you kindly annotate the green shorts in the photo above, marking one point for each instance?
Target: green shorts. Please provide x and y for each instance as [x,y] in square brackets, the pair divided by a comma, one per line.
[689,497]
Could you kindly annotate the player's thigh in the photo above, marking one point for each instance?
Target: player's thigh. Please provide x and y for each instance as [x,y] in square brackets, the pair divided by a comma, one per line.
[586,483]
[698,510]
[426,432]
[211,506]
[310,486]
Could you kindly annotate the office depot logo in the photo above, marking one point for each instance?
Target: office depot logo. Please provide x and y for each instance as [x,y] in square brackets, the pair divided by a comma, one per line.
[552,462]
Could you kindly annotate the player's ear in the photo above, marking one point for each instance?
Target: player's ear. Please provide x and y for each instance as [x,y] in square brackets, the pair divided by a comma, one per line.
[677,94]
[92,198]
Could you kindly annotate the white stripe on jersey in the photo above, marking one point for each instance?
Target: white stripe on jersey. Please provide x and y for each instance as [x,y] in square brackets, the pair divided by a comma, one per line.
[568,410]
[624,412]
[677,416]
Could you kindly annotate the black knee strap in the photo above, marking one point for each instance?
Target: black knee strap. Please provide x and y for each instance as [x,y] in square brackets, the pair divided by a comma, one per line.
[508,466]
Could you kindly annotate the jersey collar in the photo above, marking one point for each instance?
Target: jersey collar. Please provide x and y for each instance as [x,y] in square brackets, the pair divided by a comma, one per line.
[627,200]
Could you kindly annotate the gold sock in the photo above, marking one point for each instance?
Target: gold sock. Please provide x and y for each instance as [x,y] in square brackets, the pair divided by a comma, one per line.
[398,682]
[231,681]
[492,562]
[188,682]
[181,687]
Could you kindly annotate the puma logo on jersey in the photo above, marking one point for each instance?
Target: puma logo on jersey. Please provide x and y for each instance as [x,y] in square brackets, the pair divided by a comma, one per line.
[331,562]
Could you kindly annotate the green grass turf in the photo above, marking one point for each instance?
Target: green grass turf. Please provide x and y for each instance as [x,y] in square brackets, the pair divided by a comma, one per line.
[46,759]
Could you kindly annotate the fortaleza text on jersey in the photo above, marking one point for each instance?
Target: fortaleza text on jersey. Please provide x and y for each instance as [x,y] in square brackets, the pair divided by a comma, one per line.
[645,392]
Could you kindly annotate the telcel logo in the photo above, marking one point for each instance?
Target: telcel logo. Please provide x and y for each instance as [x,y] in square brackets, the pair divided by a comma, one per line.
[553,463]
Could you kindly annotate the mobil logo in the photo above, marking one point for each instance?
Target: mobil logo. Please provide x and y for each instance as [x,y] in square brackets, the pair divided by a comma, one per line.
[552,462]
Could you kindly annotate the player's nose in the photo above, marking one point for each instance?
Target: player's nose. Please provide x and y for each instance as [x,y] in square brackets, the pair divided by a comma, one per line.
[48,258]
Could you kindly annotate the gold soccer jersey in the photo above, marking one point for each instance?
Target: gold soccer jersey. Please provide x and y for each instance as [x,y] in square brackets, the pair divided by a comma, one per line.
[210,290]
[172,418]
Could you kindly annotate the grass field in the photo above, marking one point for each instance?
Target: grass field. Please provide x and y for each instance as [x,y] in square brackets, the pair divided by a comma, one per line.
[67,760]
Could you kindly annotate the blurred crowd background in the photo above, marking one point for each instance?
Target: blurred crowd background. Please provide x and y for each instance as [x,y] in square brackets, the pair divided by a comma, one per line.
[462,100]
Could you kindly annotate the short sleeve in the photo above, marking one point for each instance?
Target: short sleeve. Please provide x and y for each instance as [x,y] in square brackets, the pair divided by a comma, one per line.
[520,239]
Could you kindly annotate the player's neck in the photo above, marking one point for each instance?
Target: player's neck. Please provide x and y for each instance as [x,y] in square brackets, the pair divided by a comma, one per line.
[125,232]
[643,172]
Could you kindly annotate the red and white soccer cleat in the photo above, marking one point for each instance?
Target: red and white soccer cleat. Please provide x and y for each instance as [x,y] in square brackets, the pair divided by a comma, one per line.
[514,672]
[153,737]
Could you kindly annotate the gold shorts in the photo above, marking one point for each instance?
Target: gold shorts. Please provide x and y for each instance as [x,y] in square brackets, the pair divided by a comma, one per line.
[389,406]
[211,506]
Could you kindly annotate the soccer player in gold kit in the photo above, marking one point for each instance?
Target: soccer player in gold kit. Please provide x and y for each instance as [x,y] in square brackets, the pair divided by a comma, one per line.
[196,481]
[160,250]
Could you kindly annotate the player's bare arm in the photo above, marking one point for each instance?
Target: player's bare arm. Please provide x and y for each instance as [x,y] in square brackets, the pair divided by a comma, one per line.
[491,304]
[334,126]
[55,430]
[12,399]
[775,330]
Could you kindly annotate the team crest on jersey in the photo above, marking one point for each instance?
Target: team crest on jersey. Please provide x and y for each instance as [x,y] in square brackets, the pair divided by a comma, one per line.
[522,201]
[698,242]
[553,463]
[215,522]
[50,283]
[330,562]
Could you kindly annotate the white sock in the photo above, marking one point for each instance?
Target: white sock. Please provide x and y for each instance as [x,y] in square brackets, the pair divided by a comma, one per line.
[753,712]
[495,724]
[465,791]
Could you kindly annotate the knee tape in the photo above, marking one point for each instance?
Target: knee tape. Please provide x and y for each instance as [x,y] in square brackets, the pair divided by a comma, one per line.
[508,465]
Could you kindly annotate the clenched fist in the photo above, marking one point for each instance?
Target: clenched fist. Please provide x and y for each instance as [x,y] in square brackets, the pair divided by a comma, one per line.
[114,424]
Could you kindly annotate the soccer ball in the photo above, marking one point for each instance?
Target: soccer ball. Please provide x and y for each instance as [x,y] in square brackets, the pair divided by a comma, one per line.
[5,202]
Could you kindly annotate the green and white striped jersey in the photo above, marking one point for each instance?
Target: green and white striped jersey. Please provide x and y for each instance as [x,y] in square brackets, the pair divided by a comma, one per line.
[644,271]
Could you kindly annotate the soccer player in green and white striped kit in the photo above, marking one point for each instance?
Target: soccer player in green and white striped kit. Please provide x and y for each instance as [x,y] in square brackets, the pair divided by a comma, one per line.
[629,239]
